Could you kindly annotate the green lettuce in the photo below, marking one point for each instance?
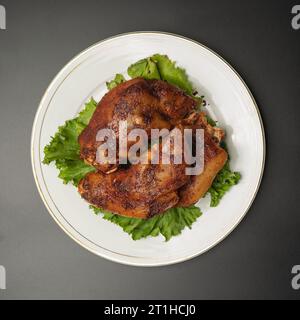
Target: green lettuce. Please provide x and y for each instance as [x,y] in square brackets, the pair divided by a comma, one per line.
[211,121]
[72,170]
[161,67]
[119,78]
[64,148]
[224,180]
[169,224]
[145,68]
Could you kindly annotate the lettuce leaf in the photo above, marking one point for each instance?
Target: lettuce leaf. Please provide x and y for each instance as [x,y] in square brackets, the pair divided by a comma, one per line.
[64,147]
[211,121]
[161,67]
[169,224]
[72,170]
[172,74]
[145,68]
[119,78]
[224,180]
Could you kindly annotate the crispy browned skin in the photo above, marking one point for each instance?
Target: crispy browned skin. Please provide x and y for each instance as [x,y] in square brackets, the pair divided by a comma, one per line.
[215,158]
[144,190]
[141,191]
[137,192]
[144,104]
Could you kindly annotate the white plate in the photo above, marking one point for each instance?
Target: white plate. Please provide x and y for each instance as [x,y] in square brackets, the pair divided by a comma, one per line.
[230,102]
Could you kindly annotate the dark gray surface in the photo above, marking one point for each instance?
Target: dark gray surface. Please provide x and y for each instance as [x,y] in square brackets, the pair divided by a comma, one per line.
[255,261]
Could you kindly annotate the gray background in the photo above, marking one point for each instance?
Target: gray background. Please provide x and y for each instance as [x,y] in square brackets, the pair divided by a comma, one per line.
[255,261]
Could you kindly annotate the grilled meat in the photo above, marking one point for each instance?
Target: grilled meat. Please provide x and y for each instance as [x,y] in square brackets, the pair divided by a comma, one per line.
[144,190]
[140,191]
[144,104]
[215,158]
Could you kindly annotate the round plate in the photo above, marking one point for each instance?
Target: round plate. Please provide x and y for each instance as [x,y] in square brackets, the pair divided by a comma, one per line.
[230,101]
